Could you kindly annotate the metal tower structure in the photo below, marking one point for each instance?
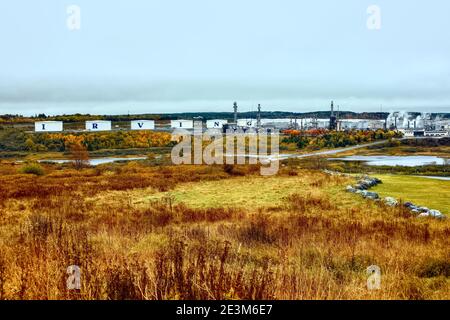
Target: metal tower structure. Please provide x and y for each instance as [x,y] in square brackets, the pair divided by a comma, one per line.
[314,122]
[332,125]
[258,119]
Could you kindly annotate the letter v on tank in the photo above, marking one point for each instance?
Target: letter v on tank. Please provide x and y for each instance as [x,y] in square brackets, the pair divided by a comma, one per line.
[142,125]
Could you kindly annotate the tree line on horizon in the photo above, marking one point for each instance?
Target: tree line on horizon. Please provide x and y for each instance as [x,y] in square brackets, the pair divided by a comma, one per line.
[17,118]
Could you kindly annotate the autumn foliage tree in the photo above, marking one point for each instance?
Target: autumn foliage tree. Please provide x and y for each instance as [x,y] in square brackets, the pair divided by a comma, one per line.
[78,151]
[79,155]
[321,138]
[103,140]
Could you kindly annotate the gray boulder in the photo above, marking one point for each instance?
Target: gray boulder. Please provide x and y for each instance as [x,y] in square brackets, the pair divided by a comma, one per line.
[392,202]
[435,214]
[370,195]
[432,213]
[367,183]
[378,181]
[360,186]
[408,204]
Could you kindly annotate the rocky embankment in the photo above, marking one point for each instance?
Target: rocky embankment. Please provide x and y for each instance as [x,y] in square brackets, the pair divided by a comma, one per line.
[363,185]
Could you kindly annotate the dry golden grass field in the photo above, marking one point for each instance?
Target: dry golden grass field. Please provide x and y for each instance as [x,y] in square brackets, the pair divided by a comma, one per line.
[209,232]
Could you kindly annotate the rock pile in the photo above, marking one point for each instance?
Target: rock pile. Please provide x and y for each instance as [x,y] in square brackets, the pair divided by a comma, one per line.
[365,183]
[424,211]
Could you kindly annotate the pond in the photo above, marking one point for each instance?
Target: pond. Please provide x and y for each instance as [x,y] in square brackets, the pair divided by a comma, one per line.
[95,162]
[405,161]
[435,177]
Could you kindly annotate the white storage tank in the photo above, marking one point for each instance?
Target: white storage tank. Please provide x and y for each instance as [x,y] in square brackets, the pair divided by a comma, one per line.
[379,124]
[182,124]
[363,125]
[98,125]
[323,123]
[48,126]
[278,123]
[143,125]
[348,124]
[246,123]
[216,124]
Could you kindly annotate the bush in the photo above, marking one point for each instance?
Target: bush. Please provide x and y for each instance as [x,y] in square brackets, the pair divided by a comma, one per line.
[434,268]
[257,230]
[33,168]
[232,170]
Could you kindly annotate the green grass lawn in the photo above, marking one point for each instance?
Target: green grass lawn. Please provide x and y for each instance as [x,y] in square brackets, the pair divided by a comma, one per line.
[434,194]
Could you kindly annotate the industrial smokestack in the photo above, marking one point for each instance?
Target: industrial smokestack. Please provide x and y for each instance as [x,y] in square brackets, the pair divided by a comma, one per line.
[332,125]
[258,119]
[235,107]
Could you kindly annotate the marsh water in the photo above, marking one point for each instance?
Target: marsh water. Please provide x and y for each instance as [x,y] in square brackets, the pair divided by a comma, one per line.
[96,162]
[435,177]
[405,161]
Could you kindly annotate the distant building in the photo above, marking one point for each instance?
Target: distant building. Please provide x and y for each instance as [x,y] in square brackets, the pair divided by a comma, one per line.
[48,126]
[182,124]
[277,123]
[376,124]
[419,133]
[360,124]
[98,125]
[407,132]
[424,133]
[436,133]
[143,125]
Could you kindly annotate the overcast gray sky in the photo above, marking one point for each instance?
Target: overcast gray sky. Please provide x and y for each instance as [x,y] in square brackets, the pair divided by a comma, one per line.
[201,55]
